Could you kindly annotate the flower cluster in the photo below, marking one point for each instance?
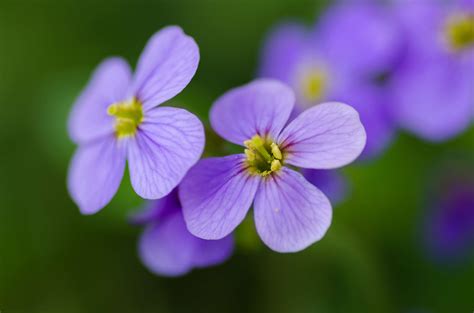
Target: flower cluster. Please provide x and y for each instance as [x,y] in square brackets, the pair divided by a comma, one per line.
[405,65]
[402,65]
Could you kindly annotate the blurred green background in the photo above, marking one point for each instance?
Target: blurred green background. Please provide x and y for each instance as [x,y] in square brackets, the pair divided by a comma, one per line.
[52,259]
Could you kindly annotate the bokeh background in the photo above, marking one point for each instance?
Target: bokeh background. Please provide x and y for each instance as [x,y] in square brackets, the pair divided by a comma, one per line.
[52,259]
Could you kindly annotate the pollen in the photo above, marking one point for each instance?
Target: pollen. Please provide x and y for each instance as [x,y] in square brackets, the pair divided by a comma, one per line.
[264,157]
[128,116]
[459,31]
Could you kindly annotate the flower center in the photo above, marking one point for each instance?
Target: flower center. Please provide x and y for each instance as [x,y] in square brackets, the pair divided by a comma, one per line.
[263,156]
[128,115]
[459,31]
[313,83]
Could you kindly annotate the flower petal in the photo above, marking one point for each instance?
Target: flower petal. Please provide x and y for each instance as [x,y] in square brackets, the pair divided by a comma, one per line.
[359,37]
[290,213]
[331,182]
[95,174]
[216,195]
[326,136]
[167,248]
[168,143]
[166,66]
[260,107]
[283,51]
[213,252]
[155,210]
[88,119]
[434,100]
[373,105]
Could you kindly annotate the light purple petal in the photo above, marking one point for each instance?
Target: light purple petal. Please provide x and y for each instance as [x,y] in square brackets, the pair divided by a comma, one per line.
[95,174]
[290,213]
[213,252]
[260,107]
[157,209]
[88,119]
[167,248]
[435,100]
[216,195]
[326,136]
[467,5]
[331,182]
[166,66]
[421,22]
[359,38]
[168,143]
[283,51]
[372,103]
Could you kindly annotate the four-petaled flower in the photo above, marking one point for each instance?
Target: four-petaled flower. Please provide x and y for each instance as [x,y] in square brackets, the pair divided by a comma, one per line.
[289,212]
[167,248]
[116,119]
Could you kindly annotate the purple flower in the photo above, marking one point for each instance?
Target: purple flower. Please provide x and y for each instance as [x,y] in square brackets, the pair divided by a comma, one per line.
[343,59]
[167,248]
[116,119]
[433,87]
[332,183]
[449,228]
[290,213]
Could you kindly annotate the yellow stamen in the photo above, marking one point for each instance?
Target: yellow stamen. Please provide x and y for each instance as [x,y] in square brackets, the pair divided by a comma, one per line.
[128,116]
[275,166]
[263,156]
[460,31]
[276,151]
[313,84]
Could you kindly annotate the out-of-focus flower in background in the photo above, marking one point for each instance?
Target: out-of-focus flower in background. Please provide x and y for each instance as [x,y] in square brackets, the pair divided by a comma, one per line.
[332,183]
[167,248]
[449,224]
[433,87]
[344,57]
[116,119]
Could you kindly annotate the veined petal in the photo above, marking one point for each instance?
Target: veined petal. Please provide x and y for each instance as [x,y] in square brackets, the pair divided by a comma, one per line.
[326,136]
[261,107]
[290,213]
[166,66]
[373,106]
[168,143]
[216,195]
[88,119]
[95,174]
[167,248]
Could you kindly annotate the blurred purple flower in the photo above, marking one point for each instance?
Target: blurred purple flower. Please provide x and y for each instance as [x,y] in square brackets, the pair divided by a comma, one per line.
[115,119]
[332,183]
[343,59]
[289,212]
[449,228]
[167,248]
[433,86]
